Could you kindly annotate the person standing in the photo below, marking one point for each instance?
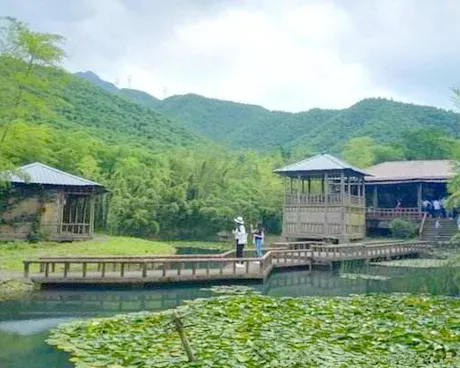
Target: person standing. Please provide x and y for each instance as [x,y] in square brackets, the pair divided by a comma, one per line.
[437,208]
[241,238]
[259,236]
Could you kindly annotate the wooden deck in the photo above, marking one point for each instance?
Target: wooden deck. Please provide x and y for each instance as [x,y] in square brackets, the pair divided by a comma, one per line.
[141,270]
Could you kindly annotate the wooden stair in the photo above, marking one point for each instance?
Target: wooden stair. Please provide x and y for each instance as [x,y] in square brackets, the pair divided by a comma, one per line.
[444,233]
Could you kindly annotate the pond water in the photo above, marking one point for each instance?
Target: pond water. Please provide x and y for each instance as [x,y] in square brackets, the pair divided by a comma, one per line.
[24,324]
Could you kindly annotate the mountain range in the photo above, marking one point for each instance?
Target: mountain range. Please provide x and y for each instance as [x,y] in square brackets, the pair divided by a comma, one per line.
[244,126]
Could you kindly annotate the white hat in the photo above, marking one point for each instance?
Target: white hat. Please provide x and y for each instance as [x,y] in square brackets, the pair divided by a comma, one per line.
[239,220]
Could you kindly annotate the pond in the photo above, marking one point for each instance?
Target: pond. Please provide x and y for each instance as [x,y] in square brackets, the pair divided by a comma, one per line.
[24,324]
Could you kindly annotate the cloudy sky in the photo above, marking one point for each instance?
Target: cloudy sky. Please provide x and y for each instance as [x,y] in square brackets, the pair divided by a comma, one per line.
[284,55]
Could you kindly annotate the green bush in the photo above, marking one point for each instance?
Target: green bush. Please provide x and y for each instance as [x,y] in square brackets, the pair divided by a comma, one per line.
[403,229]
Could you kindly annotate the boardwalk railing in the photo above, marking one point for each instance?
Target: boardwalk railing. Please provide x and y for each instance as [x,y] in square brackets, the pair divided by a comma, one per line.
[135,269]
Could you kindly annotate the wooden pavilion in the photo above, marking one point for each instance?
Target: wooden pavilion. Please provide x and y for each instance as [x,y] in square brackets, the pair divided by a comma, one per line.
[324,199]
[44,202]
[410,182]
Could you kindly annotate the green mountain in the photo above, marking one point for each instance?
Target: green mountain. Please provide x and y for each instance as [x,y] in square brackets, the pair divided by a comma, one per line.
[113,118]
[245,126]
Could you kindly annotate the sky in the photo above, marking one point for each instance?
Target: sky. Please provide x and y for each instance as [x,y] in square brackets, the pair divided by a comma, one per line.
[290,55]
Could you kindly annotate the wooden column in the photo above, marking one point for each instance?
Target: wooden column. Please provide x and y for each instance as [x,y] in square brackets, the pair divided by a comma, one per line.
[283,229]
[419,197]
[375,198]
[326,204]
[298,204]
[91,215]
[349,185]
[363,182]
[344,203]
[309,186]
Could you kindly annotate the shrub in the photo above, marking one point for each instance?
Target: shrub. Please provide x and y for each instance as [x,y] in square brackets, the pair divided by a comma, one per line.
[403,229]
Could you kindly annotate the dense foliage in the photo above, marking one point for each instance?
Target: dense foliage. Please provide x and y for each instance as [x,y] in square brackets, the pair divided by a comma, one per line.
[260,331]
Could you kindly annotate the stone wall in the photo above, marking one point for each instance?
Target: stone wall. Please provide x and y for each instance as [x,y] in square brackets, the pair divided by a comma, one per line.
[18,218]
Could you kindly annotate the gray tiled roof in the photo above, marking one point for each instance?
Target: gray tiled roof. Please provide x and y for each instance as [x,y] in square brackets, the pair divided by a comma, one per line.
[422,170]
[38,173]
[322,162]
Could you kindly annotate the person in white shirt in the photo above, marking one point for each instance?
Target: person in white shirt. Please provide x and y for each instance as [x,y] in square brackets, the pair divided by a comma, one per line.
[241,238]
[436,208]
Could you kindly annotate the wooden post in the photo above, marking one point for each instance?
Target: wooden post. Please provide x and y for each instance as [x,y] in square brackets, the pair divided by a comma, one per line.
[363,182]
[298,204]
[66,269]
[144,270]
[103,269]
[344,205]
[91,215]
[419,198]
[61,204]
[375,199]
[309,186]
[84,269]
[180,329]
[326,204]
[26,269]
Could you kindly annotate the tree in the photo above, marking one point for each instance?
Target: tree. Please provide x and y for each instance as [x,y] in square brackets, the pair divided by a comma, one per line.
[426,144]
[22,53]
[359,151]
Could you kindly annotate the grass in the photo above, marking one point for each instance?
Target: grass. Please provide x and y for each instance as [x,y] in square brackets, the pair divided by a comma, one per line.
[13,253]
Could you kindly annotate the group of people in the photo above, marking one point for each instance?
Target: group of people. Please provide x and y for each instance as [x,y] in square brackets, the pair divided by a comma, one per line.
[437,208]
[241,238]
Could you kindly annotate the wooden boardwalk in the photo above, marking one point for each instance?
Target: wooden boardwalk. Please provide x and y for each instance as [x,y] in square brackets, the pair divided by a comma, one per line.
[139,270]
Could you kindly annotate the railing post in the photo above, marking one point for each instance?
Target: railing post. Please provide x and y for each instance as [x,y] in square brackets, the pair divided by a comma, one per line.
[66,269]
[46,270]
[144,270]
[26,269]
[122,269]
[84,269]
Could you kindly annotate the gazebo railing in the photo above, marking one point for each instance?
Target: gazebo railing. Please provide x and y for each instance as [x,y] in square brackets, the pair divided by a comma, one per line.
[313,199]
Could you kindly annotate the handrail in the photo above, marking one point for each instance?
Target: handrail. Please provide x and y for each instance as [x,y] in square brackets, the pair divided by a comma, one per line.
[161,267]
[422,224]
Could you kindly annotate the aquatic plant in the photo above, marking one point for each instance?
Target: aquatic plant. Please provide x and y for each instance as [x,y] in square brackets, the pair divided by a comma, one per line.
[253,330]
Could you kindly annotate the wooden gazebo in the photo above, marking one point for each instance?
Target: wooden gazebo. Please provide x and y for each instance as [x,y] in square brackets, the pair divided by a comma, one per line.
[45,202]
[324,199]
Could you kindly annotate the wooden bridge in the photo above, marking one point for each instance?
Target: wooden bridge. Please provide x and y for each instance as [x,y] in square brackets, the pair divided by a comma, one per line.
[140,270]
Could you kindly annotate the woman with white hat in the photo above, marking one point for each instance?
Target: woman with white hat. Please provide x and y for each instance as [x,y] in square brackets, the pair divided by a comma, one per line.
[241,238]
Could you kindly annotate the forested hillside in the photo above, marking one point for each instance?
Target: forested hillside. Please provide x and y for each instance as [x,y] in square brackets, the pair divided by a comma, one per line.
[253,127]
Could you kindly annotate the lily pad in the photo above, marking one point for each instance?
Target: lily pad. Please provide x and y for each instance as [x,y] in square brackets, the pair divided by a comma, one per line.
[252,330]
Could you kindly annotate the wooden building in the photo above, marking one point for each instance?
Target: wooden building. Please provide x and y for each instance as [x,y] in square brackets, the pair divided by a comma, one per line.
[43,202]
[324,199]
[410,182]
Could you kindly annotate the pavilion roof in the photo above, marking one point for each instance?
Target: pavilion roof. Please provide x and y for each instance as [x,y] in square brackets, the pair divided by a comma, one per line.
[319,164]
[411,171]
[38,173]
